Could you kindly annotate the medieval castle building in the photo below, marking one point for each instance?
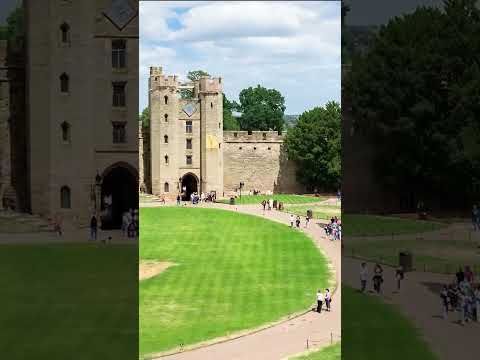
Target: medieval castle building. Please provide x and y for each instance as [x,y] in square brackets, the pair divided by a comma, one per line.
[70,148]
[184,148]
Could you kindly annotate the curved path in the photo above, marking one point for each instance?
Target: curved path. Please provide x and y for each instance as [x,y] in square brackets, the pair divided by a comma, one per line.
[419,301]
[289,337]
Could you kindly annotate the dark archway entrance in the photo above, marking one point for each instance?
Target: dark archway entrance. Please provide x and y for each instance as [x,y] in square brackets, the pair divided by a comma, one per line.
[119,194]
[189,185]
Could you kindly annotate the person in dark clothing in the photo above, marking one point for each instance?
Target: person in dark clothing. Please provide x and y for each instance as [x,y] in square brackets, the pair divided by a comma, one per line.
[178,199]
[399,274]
[460,275]
[377,278]
[93,228]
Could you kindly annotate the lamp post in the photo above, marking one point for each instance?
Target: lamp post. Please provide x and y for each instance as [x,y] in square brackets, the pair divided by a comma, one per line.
[241,186]
[98,188]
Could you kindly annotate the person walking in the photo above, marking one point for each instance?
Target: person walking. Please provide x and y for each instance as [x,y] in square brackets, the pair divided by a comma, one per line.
[178,199]
[377,278]
[297,222]
[363,277]
[320,299]
[475,218]
[93,228]
[307,220]
[444,297]
[399,275]
[292,219]
[328,299]
[477,303]
[58,225]
[264,204]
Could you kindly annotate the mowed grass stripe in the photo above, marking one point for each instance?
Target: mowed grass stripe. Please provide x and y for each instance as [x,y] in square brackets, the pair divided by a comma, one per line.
[234,272]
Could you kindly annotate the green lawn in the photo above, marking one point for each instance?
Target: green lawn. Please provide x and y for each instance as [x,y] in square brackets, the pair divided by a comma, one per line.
[322,212]
[69,302]
[287,199]
[372,225]
[373,330]
[234,272]
[332,352]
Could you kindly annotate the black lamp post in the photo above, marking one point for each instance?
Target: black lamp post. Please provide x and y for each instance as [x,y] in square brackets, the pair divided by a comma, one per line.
[98,188]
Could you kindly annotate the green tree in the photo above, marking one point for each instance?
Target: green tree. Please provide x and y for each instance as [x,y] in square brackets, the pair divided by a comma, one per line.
[193,75]
[229,122]
[416,94]
[144,117]
[314,145]
[262,109]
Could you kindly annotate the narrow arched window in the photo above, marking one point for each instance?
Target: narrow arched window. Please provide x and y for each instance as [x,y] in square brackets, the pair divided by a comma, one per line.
[166,187]
[166,117]
[65,131]
[65,33]
[211,105]
[166,99]
[166,159]
[64,83]
[65,201]
[165,139]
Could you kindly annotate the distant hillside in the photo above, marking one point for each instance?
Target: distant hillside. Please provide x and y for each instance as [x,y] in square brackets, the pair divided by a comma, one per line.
[290,120]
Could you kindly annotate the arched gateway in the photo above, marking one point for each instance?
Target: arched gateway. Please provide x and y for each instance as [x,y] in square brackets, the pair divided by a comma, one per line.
[119,193]
[189,185]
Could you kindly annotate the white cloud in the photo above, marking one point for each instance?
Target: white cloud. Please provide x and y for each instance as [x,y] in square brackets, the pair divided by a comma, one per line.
[291,46]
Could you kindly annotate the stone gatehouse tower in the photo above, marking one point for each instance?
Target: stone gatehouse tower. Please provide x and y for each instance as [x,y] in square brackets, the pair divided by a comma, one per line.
[82,101]
[185,135]
[184,148]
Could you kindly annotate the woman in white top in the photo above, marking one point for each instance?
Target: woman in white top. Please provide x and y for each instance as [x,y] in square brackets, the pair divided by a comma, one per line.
[320,299]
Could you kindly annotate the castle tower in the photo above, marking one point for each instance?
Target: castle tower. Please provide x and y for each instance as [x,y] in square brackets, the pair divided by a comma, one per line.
[163,103]
[211,103]
[185,136]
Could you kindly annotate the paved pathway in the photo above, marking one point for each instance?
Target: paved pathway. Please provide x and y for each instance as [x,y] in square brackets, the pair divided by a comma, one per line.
[68,236]
[419,300]
[290,337]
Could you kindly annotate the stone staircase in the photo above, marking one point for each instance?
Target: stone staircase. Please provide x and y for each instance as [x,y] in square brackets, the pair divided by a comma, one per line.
[32,222]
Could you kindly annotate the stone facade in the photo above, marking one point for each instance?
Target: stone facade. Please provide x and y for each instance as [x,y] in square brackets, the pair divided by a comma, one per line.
[13,179]
[187,150]
[83,98]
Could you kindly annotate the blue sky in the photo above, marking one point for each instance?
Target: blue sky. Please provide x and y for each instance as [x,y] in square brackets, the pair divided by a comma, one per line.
[293,47]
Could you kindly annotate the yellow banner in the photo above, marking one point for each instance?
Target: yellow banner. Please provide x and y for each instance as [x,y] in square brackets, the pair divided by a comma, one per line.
[212,142]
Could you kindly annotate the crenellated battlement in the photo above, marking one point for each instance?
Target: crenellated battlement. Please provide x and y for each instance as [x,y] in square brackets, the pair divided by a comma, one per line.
[209,84]
[253,136]
[158,79]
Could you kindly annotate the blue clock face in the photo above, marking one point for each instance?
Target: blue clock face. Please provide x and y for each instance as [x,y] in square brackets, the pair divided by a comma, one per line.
[189,109]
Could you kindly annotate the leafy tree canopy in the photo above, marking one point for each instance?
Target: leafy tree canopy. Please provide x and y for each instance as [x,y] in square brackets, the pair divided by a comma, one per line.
[262,109]
[193,75]
[229,122]
[314,144]
[144,117]
[417,94]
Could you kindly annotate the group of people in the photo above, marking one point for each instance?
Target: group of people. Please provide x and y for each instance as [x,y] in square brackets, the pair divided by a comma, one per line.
[295,221]
[323,299]
[334,229]
[195,198]
[130,223]
[377,278]
[462,296]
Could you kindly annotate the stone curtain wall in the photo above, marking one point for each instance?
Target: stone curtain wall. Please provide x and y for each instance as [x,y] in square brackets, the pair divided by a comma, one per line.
[258,160]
